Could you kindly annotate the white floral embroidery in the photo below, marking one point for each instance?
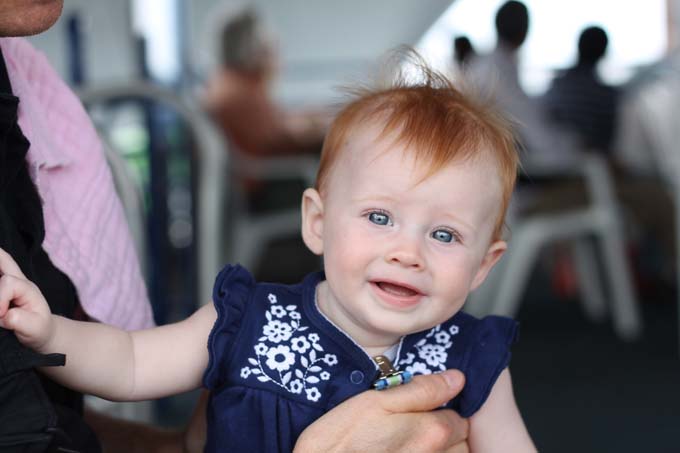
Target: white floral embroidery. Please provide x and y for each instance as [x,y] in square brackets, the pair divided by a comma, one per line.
[280,358]
[442,337]
[300,344]
[288,357]
[277,331]
[296,386]
[313,394]
[330,359]
[278,311]
[432,352]
[420,368]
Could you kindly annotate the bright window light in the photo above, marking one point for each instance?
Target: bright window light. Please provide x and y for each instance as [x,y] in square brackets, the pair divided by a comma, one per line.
[156,21]
[637,33]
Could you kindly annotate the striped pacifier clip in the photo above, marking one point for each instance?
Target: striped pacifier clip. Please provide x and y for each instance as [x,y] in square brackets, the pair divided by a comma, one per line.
[389,377]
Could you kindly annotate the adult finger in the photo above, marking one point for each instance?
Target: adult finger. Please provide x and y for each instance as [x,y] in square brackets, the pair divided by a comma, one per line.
[425,393]
[461,447]
[450,429]
[9,266]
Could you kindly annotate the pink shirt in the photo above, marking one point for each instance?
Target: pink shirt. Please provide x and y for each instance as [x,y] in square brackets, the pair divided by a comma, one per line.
[86,234]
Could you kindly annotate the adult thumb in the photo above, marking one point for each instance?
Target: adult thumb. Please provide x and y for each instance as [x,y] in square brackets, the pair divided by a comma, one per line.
[424,393]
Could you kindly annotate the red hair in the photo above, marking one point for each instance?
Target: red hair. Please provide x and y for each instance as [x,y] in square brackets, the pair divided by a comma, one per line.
[433,119]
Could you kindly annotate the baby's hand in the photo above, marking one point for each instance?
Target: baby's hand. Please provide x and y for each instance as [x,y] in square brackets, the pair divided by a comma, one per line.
[23,308]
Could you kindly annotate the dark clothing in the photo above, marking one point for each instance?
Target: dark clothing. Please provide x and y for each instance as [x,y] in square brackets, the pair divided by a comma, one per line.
[277,363]
[22,231]
[22,228]
[579,101]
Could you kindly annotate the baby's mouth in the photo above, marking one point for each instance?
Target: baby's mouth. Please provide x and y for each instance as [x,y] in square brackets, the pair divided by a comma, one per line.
[397,290]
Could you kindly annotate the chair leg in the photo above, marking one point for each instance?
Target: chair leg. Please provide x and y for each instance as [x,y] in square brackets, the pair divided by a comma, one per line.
[676,199]
[516,271]
[625,309]
[587,269]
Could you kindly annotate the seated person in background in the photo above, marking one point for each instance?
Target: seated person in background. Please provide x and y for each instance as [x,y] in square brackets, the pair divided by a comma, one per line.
[408,212]
[463,52]
[580,101]
[239,99]
[497,74]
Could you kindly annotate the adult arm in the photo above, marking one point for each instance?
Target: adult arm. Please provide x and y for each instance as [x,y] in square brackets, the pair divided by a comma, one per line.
[402,419]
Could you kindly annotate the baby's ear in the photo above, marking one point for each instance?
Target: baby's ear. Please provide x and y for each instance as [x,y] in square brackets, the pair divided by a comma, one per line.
[493,254]
[312,220]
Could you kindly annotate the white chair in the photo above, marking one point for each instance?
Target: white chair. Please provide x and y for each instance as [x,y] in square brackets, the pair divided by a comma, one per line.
[253,231]
[130,191]
[212,171]
[227,230]
[598,220]
[211,187]
[656,112]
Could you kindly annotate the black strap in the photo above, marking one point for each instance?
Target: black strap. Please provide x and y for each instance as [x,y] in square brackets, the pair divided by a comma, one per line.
[14,357]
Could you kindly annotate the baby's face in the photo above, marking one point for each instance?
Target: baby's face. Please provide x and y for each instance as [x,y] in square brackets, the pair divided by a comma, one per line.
[401,252]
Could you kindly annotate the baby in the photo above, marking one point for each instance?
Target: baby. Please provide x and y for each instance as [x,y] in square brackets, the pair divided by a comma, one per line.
[407,212]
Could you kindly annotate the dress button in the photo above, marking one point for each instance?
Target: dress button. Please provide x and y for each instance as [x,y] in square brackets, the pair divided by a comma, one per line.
[356,377]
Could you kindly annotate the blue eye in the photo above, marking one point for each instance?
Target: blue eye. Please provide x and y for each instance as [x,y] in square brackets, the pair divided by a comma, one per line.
[379,218]
[443,236]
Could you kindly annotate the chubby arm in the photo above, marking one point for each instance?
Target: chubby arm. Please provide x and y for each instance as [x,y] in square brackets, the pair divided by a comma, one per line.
[498,425]
[102,360]
[131,366]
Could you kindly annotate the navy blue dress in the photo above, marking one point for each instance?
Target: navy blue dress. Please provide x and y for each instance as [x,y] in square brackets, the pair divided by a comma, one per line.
[277,364]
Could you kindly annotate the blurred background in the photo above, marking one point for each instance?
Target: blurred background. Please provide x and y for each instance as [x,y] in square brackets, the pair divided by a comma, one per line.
[214,114]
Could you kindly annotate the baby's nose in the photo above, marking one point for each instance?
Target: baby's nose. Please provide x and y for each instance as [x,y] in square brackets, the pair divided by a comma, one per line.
[406,253]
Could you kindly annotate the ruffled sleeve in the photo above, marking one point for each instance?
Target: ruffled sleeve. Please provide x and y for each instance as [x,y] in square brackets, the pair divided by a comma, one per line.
[231,294]
[487,355]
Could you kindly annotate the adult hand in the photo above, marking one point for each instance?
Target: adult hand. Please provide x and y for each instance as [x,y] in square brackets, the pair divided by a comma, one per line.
[401,419]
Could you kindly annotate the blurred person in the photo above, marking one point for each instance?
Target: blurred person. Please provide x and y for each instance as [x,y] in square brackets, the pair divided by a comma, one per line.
[61,220]
[399,263]
[496,74]
[463,51]
[580,101]
[238,94]
[646,154]
[647,132]
[238,97]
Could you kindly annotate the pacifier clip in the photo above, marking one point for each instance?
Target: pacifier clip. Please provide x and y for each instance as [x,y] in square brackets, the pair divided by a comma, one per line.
[389,377]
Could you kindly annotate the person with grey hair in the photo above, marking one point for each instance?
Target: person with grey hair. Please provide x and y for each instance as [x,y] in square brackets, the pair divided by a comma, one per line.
[238,94]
